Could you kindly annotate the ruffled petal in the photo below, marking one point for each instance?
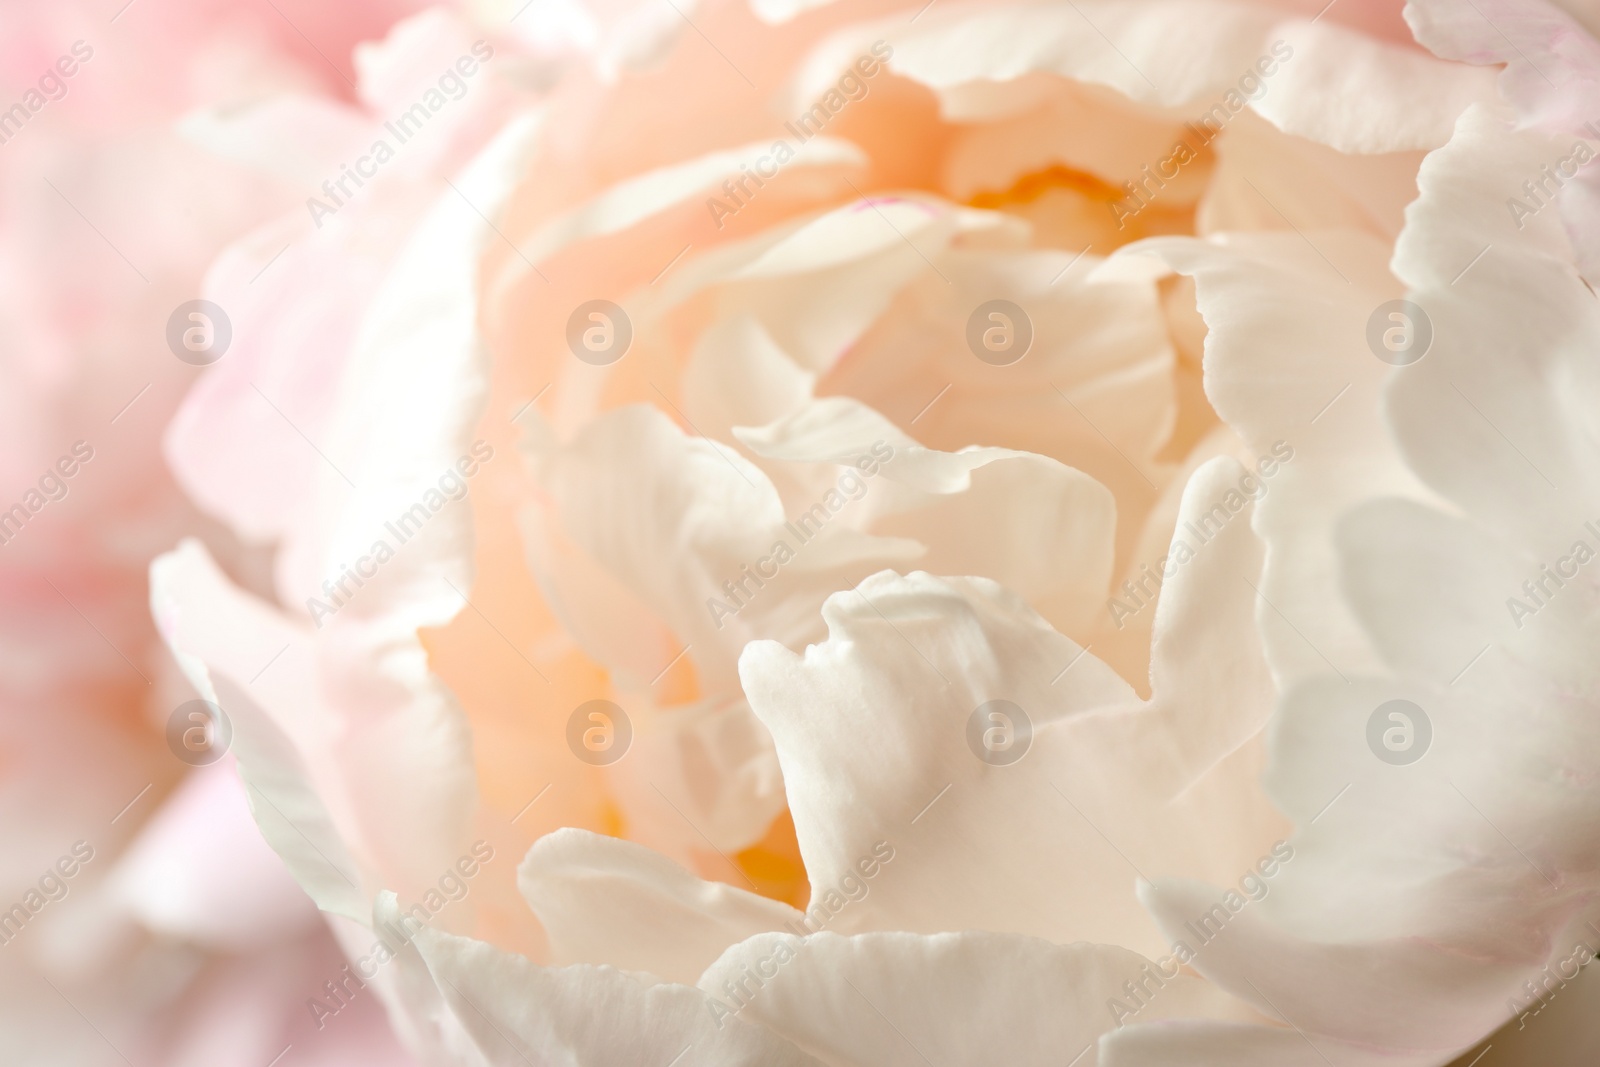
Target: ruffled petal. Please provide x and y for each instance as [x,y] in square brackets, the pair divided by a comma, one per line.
[591,1016]
[909,670]
[604,901]
[903,1000]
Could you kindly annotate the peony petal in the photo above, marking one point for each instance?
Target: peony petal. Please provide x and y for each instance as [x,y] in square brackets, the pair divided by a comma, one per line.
[590,1016]
[908,667]
[1266,179]
[604,901]
[816,285]
[1026,521]
[1288,367]
[1511,440]
[634,489]
[1342,990]
[1212,1044]
[903,1000]
[212,628]
[740,376]
[630,202]
[1212,64]
[1366,78]
[1552,65]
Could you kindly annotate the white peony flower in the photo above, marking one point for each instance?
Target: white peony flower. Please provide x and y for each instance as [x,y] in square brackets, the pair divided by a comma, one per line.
[980,533]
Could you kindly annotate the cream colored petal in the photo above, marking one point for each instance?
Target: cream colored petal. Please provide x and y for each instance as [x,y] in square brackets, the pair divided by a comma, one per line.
[1346,991]
[1210,1044]
[1512,441]
[513,1010]
[1026,521]
[1288,366]
[604,901]
[1266,179]
[1358,95]
[907,671]
[679,519]
[217,633]
[630,202]
[905,1000]
[816,285]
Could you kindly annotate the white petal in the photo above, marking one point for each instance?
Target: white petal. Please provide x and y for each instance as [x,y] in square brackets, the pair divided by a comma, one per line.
[1288,367]
[675,517]
[213,631]
[1026,521]
[1266,179]
[589,1016]
[904,1000]
[1343,990]
[818,284]
[602,900]
[908,664]
[1129,47]
[631,201]
[1552,64]
[1510,440]
[1211,1044]
[740,376]
[1358,95]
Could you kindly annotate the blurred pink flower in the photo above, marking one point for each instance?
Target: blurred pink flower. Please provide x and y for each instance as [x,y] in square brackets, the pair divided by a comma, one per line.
[181,941]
